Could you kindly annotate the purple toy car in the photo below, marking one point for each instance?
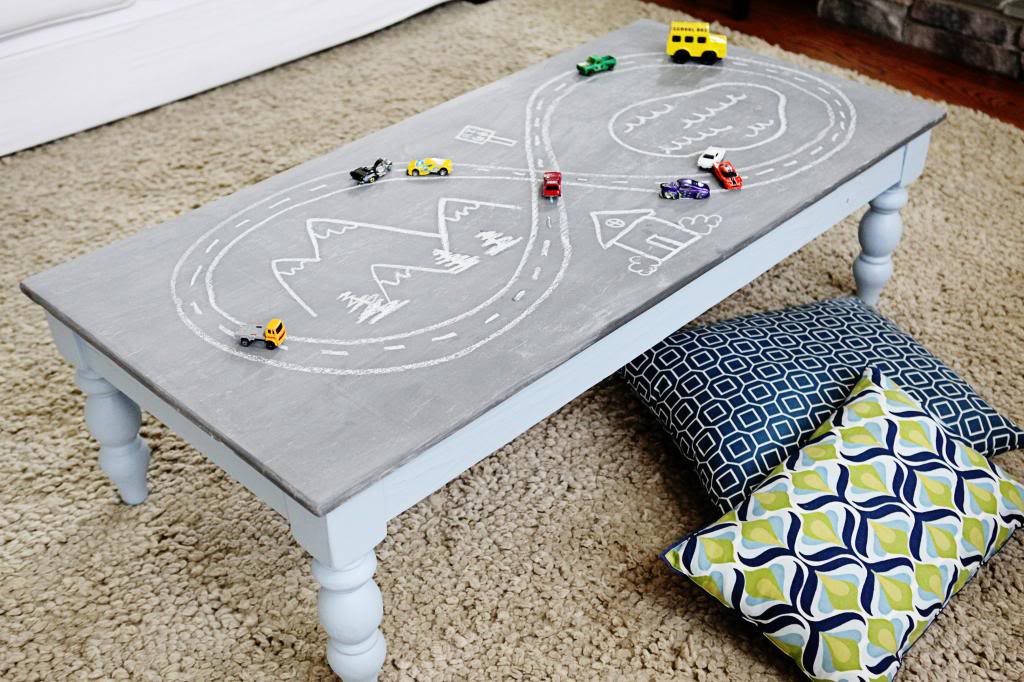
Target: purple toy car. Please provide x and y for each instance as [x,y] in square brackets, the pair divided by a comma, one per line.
[685,188]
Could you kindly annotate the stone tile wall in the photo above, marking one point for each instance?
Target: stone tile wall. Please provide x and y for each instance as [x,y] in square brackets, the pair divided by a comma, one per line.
[983,33]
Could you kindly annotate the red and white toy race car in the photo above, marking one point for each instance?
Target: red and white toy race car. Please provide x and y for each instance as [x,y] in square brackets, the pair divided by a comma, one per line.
[727,175]
[552,185]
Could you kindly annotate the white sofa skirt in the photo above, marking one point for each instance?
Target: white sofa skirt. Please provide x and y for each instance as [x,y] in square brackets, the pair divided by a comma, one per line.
[70,76]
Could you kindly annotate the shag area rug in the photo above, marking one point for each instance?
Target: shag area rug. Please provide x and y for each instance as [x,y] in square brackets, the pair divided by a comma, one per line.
[542,561]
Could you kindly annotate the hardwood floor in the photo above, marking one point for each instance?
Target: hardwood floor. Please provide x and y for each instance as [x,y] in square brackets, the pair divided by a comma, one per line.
[794,26]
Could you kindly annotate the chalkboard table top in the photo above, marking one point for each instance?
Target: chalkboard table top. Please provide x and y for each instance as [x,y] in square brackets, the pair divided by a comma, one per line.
[415,304]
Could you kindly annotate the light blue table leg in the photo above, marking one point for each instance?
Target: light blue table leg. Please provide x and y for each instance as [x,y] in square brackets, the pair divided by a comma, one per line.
[351,609]
[881,227]
[112,417]
[879,234]
[350,604]
[114,420]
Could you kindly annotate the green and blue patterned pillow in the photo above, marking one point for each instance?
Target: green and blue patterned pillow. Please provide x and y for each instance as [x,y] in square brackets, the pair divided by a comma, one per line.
[851,547]
[740,396]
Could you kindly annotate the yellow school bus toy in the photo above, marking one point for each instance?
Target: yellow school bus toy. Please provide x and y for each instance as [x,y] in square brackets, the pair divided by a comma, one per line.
[693,40]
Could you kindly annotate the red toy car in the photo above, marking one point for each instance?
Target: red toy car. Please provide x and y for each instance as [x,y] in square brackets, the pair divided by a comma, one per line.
[727,175]
[552,187]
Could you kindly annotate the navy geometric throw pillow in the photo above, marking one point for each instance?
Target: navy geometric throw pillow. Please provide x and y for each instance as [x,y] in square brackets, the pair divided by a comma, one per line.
[739,396]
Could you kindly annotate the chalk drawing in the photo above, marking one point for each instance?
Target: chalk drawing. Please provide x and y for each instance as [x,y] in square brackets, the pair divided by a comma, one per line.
[481,135]
[542,262]
[649,239]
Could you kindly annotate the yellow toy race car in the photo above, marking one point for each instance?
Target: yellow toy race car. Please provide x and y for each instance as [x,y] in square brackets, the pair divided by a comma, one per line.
[429,166]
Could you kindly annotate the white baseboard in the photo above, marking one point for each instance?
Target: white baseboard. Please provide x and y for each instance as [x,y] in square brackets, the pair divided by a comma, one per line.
[82,74]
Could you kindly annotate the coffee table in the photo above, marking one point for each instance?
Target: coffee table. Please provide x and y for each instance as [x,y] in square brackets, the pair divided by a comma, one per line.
[432,319]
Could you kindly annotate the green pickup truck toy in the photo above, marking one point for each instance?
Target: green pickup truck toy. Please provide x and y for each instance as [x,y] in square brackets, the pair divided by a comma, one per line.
[595,64]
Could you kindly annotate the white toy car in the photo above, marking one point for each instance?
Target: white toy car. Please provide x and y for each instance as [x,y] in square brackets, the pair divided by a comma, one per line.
[710,157]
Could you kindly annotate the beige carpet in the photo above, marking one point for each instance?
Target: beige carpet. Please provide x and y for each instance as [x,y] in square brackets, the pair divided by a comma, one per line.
[539,563]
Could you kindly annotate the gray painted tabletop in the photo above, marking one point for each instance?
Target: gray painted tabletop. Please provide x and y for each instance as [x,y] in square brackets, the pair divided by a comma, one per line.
[415,304]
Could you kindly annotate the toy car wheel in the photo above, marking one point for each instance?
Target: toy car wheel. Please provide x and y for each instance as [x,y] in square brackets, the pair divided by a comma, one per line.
[443,171]
[270,345]
[708,57]
[681,57]
[244,342]
[414,172]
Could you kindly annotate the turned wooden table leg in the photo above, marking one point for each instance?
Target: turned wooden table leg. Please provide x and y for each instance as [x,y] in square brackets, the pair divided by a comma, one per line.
[114,420]
[351,609]
[880,231]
